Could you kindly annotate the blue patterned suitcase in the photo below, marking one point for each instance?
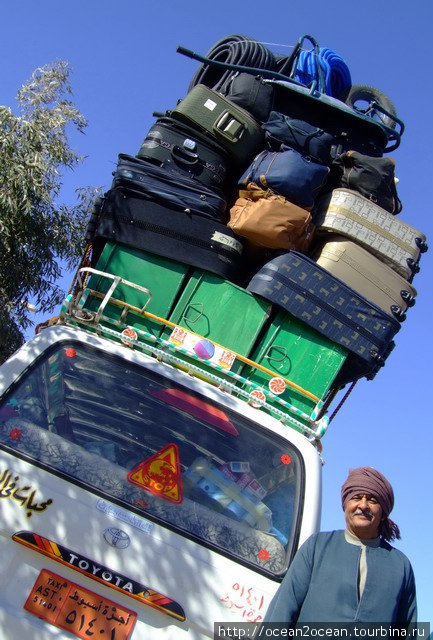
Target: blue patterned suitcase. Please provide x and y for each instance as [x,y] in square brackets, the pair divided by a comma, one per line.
[311,294]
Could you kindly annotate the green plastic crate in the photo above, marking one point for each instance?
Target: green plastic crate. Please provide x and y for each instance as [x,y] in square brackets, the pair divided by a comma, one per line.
[293,350]
[163,277]
[222,312]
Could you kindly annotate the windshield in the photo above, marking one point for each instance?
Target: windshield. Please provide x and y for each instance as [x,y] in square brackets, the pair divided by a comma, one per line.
[159,449]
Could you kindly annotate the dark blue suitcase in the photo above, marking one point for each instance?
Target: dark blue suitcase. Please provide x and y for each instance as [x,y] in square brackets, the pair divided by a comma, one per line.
[149,181]
[185,237]
[310,293]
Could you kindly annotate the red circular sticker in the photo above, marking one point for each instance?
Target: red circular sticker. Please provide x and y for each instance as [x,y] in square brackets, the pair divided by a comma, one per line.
[70,353]
[129,333]
[257,393]
[15,434]
[286,459]
[264,554]
[277,386]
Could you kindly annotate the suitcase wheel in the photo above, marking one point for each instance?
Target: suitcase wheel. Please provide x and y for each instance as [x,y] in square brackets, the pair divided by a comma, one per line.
[414,266]
[380,361]
[408,298]
[398,313]
[421,244]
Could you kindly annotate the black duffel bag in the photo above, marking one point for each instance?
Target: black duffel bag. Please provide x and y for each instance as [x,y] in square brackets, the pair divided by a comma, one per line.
[252,94]
[311,141]
[372,177]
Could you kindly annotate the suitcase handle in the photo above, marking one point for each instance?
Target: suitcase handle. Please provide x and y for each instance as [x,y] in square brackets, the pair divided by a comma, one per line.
[184,156]
[229,127]
[283,353]
[199,311]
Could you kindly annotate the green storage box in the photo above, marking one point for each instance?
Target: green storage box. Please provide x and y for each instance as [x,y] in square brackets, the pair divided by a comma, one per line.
[295,351]
[164,278]
[222,312]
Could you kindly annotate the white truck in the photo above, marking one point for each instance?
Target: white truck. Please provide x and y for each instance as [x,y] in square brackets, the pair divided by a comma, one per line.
[138,500]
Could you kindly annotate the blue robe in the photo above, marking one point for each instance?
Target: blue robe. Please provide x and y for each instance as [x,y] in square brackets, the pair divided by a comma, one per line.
[321,584]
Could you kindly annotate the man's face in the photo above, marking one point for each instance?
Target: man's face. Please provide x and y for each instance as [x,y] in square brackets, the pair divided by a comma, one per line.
[363,515]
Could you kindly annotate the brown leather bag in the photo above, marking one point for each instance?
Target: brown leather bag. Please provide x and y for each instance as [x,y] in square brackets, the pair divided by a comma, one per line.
[269,220]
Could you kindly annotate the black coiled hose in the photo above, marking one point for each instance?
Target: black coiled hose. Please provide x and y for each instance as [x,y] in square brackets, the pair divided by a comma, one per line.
[234,49]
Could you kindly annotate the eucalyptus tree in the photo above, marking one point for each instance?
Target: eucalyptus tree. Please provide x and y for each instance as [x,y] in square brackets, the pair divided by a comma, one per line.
[37,233]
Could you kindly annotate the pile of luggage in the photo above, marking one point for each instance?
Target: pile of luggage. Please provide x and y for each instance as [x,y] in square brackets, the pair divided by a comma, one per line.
[265,189]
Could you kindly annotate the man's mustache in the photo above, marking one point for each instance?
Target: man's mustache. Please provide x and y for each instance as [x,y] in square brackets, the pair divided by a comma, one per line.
[363,512]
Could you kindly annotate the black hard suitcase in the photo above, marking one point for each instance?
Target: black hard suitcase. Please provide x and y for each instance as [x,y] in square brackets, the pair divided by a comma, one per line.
[215,115]
[155,183]
[177,147]
[307,291]
[185,237]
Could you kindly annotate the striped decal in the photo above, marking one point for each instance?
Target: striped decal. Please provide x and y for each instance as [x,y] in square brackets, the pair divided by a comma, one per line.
[88,567]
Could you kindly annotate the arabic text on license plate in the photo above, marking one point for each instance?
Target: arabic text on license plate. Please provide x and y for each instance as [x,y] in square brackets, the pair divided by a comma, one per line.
[78,610]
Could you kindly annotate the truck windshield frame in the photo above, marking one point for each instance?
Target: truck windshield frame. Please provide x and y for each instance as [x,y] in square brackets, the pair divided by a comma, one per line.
[160,449]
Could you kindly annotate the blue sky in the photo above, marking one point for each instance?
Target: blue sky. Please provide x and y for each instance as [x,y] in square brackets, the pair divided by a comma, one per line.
[125,66]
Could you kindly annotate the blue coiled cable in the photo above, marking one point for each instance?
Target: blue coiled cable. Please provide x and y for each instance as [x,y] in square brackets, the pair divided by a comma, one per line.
[335,72]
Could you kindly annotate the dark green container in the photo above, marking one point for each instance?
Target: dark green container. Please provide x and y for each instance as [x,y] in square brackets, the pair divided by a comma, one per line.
[164,278]
[222,312]
[292,350]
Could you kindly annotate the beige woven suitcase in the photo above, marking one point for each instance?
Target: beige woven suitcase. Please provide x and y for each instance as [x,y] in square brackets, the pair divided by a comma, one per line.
[387,237]
[366,274]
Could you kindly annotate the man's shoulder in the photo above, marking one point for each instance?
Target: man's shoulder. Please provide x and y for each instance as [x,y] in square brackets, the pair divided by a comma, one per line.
[396,553]
[321,538]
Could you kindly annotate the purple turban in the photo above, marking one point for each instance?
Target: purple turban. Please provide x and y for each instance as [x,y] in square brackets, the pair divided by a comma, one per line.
[370,481]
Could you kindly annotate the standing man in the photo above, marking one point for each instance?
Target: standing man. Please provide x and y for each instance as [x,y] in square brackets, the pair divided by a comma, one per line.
[353,575]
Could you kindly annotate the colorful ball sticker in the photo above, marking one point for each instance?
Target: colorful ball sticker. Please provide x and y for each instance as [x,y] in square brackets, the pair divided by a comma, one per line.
[257,393]
[204,349]
[70,352]
[264,554]
[129,333]
[15,434]
[286,459]
[277,386]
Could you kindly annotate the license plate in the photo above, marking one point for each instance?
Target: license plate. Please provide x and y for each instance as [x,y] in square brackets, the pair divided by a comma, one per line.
[78,610]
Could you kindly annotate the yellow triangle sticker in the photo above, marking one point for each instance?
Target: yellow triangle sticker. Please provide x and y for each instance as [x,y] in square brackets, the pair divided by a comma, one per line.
[160,474]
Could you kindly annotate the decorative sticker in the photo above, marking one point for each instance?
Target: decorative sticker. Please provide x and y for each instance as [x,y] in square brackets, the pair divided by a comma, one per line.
[257,393]
[277,386]
[70,352]
[210,104]
[264,554]
[24,495]
[244,602]
[100,573]
[129,333]
[160,474]
[78,610]
[202,348]
[286,459]
[113,511]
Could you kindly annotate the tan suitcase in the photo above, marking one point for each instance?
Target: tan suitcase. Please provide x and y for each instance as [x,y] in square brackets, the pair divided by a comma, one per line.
[388,237]
[367,275]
